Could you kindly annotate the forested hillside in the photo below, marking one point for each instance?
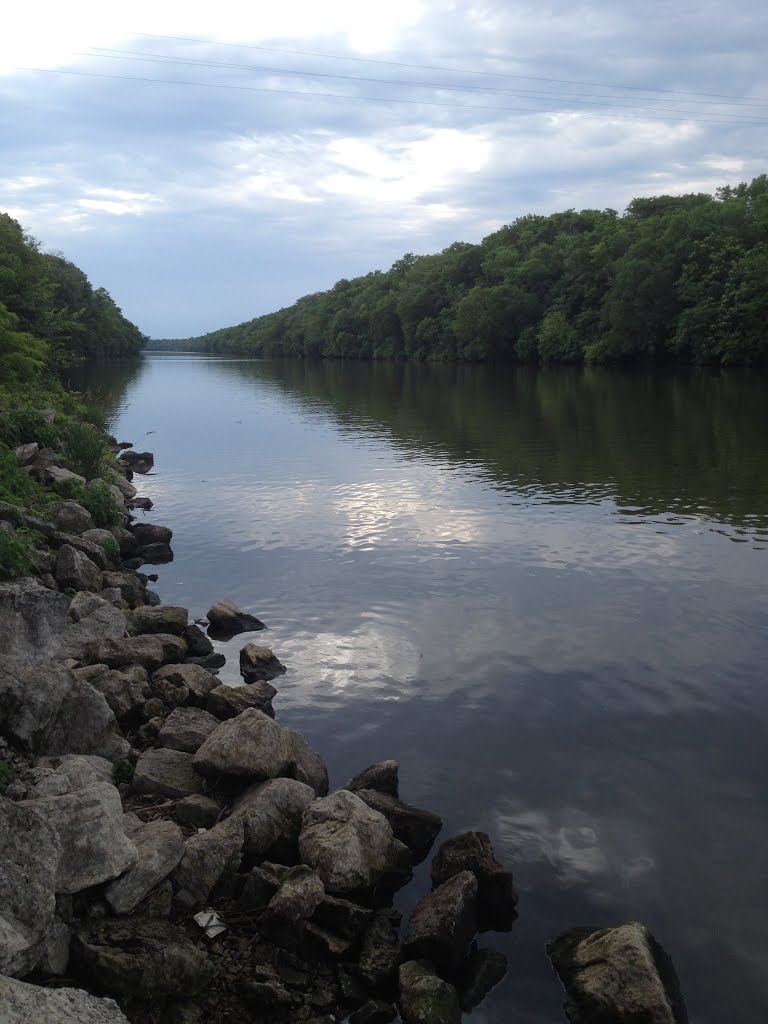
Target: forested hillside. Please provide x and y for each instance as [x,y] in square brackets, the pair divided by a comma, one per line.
[50,315]
[675,278]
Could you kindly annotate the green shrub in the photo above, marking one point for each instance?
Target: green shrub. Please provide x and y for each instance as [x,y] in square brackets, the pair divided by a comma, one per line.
[122,771]
[110,547]
[15,486]
[84,450]
[17,553]
[96,497]
[7,775]
[23,424]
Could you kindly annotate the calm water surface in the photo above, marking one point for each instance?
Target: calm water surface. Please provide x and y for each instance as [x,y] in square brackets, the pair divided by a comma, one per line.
[542,592]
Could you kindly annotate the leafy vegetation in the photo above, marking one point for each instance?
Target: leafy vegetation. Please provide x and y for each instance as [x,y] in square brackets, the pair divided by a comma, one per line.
[96,498]
[17,552]
[676,278]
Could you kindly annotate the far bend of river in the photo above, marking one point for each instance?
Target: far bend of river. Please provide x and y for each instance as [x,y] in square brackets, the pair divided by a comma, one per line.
[542,592]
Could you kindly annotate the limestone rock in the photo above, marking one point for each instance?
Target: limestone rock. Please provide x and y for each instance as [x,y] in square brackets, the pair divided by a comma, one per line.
[31,619]
[198,644]
[21,1003]
[147,651]
[258,662]
[380,952]
[70,772]
[383,776]
[163,619]
[187,729]
[125,691]
[88,821]
[59,475]
[227,620]
[168,773]
[619,974]
[250,746]
[425,998]
[272,812]
[444,923]
[197,811]
[342,916]
[71,517]
[496,896]
[411,825]
[207,856]
[139,956]
[128,584]
[76,571]
[137,462]
[160,847]
[230,701]
[191,680]
[299,894]
[306,765]
[348,844]
[29,856]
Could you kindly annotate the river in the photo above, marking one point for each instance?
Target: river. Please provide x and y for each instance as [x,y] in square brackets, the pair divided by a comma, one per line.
[543,592]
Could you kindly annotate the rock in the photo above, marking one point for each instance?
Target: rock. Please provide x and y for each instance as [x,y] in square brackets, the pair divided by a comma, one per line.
[158,902]
[94,619]
[207,856]
[198,644]
[59,475]
[155,554]
[482,970]
[92,551]
[27,1004]
[230,701]
[164,619]
[85,604]
[373,1012]
[148,533]
[299,894]
[306,765]
[381,776]
[272,813]
[380,952]
[250,746]
[32,619]
[193,680]
[259,888]
[197,811]
[56,953]
[348,844]
[425,998]
[149,651]
[412,826]
[187,729]
[227,620]
[621,975]
[71,517]
[126,692]
[127,583]
[76,571]
[265,995]
[71,772]
[88,821]
[444,923]
[160,846]
[168,773]
[139,957]
[137,462]
[44,709]
[125,487]
[325,942]
[101,537]
[258,662]
[211,662]
[29,856]
[25,453]
[143,502]
[342,916]
[496,896]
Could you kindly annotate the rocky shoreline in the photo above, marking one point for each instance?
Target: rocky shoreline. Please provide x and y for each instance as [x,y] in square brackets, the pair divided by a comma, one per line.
[169,852]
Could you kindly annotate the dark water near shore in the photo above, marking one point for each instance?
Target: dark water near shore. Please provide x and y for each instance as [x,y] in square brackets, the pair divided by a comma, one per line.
[544,593]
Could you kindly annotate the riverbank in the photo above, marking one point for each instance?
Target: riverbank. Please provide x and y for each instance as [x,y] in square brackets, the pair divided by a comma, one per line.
[140,793]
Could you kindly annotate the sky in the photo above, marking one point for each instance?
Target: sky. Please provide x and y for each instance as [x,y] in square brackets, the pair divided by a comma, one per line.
[207,163]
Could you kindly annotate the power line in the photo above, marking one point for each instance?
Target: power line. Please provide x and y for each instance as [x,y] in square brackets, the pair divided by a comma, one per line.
[369,99]
[164,58]
[457,71]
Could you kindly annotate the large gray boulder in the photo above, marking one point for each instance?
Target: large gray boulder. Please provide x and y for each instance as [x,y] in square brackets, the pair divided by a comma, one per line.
[93,618]
[164,618]
[350,845]
[125,691]
[192,680]
[230,701]
[383,776]
[443,924]
[21,1003]
[187,729]
[207,856]
[44,709]
[29,857]
[306,765]
[76,571]
[138,957]
[148,651]
[250,746]
[425,998]
[160,847]
[496,896]
[32,619]
[227,620]
[168,773]
[71,517]
[68,773]
[272,812]
[411,825]
[88,822]
[621,975]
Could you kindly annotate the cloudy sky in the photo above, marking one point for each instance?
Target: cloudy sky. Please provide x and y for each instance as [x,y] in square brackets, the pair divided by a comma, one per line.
[210,162]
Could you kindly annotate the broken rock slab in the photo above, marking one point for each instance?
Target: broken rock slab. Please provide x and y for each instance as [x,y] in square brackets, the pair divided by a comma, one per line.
[443,924]
[21,1003]
[168,773]
[160,847]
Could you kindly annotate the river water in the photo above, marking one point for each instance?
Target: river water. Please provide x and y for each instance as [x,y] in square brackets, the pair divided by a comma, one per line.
[543,592]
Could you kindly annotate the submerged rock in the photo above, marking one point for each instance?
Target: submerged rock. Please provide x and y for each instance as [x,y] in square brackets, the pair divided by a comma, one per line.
[496,896]
[621,975]
[227,620]
[443,924]
[482,971]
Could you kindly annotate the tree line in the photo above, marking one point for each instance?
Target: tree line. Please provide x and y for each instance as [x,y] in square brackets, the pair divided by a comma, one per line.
[51,317]
[675,278]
